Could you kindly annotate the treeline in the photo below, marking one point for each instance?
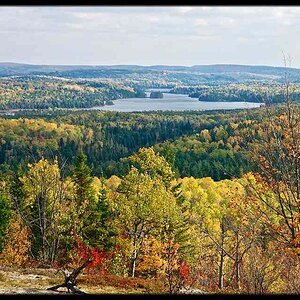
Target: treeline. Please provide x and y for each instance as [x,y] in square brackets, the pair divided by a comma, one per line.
[50,92]
[202,143]
[261,93]
[161,76]
[40,92]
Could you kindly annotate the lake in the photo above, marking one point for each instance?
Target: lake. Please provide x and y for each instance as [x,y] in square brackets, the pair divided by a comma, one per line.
[174,102]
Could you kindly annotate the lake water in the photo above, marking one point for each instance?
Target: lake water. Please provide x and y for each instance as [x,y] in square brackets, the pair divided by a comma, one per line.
[174,102]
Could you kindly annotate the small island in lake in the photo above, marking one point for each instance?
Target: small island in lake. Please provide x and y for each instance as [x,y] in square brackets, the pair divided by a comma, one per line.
[140,94]
[156,94]
[109,102]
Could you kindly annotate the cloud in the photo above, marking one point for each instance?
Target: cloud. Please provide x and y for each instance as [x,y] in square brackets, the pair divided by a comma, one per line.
[185,9]
[108,34]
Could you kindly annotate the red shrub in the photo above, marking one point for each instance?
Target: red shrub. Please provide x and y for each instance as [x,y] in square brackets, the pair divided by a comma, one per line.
[83,252]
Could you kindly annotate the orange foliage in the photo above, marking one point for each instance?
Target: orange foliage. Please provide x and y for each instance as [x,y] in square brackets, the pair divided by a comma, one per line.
[152,262]
[15,252]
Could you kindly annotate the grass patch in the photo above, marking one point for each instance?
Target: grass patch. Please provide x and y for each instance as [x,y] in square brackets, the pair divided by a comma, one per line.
[2,277]
[28,279]
[126,284]
[43,272]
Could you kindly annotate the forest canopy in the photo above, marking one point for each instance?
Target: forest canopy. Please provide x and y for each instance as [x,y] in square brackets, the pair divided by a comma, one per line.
[163,202]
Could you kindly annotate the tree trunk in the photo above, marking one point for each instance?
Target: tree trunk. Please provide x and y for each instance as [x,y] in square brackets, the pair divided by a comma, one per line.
[134,254]
[70,281]
[237,262]
[221,275]
[134,261]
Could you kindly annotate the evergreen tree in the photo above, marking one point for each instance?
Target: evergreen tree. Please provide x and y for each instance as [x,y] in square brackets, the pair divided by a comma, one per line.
[17,193]
[83,180]
[104,215]
[86,202]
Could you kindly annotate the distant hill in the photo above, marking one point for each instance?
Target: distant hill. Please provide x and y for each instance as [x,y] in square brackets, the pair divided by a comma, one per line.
[9,69]
[14,68]
[215,72]
[244,69]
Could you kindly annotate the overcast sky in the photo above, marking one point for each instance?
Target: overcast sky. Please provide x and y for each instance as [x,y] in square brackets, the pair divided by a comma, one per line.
[149,35]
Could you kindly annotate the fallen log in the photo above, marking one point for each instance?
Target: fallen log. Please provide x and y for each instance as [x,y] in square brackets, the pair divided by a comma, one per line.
[70,281]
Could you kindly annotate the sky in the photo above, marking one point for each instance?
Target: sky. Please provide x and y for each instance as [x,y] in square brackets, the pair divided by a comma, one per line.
[150,35]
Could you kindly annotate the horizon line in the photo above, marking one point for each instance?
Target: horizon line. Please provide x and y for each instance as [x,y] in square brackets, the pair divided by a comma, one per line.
[152,65]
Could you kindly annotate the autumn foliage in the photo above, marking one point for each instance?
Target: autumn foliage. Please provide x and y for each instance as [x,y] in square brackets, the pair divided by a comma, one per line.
[16,250]
[82,252]
[150,229]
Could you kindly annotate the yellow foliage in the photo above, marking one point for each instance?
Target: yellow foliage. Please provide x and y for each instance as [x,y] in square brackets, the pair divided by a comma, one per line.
[151,262]
[113,182]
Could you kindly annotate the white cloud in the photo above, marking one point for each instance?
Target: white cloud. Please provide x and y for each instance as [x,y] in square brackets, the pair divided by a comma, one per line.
[107,34]
[185,9]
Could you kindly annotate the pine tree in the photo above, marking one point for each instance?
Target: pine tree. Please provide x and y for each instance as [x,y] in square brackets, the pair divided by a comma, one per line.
[17,193]
[104,215]
[85,201]
[83,180]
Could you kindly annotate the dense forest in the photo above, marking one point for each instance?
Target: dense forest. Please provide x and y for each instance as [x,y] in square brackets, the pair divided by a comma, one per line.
[261,93]
[156,226]
[41,92]
[150,202]
[196,143]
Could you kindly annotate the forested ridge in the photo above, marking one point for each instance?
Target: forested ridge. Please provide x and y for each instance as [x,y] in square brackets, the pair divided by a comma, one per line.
[202,144]
[267,93]
[42,92]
